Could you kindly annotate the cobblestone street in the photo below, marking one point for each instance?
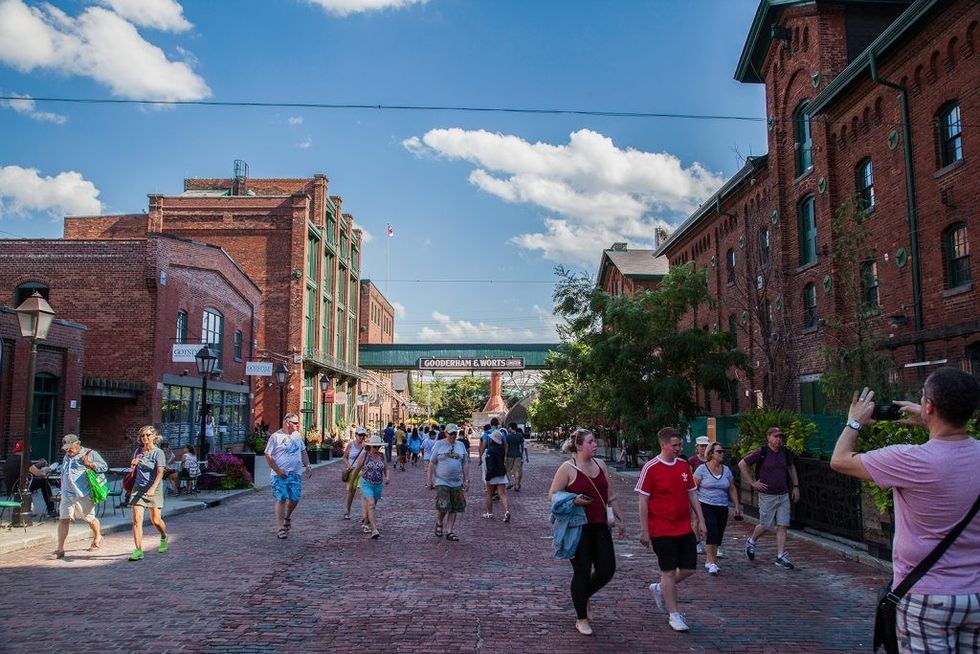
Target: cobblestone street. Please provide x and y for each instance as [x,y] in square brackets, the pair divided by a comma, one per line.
[227,584]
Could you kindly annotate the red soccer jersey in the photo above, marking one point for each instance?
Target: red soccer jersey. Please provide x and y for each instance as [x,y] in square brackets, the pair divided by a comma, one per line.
[667,486]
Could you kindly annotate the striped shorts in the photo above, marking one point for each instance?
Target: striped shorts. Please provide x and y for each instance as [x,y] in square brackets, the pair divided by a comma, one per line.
[928,624]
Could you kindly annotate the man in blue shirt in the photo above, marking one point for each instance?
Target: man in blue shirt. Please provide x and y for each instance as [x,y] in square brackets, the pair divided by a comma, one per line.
[389,440]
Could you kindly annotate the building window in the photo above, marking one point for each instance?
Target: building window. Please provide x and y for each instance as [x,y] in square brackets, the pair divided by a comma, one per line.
[806,217]
[310,323]
[802,140]
[865,185]
[869,284]
[956,249]
[812,398]
[764,246]
[211,331]
[950,135]
[27,289]
[730,265]
[238,345]
[181,326]
[767,323]
[312,258]
[810,306]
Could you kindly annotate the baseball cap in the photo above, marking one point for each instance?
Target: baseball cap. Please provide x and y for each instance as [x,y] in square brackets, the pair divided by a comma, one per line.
[452,428]
[703,440]
[69,440]
[775,431]
[360,430]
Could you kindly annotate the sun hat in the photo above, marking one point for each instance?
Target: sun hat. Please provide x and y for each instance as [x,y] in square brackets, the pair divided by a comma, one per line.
[375,441]
[69,440]
[452,428]
[361,430]
[703,440]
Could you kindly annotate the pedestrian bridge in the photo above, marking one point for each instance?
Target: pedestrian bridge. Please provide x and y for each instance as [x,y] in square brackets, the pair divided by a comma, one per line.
[456,356]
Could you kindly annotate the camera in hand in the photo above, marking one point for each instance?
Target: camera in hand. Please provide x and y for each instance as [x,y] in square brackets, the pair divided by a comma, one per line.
[887,412]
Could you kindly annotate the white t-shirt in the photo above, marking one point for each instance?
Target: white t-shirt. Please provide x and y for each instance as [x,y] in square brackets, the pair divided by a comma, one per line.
[287,451]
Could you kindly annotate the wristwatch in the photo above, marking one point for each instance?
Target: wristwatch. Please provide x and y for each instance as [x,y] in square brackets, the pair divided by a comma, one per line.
[855,425]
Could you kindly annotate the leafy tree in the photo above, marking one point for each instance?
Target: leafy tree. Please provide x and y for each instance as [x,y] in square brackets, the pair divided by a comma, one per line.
[430,395]
[463,396]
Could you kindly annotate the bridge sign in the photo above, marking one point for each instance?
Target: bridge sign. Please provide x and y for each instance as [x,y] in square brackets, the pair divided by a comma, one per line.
[502,363]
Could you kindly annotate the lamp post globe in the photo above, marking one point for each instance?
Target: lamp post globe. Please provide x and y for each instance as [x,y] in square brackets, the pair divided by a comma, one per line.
[207,363]
[35,316]
[281,373]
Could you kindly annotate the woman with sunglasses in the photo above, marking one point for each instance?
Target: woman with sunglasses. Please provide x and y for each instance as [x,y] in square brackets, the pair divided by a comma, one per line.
[715,486]
[372,468]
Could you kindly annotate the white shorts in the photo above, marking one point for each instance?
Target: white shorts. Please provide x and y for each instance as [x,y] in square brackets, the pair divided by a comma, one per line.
[75,508]
[774,510]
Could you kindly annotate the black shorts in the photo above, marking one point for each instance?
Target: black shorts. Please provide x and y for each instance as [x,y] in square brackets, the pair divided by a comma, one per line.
[715,521]
[676,552]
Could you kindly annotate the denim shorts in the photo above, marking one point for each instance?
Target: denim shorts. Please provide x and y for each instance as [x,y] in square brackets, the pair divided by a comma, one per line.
[289,488]
[372,491]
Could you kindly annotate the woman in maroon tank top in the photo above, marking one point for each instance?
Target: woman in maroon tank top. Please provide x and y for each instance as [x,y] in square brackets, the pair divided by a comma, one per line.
[594,563]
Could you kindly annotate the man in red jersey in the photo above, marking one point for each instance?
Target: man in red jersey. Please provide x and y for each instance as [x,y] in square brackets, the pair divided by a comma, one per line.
[668,495]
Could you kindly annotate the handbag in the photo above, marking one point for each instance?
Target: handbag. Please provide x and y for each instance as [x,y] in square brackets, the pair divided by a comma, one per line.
[886,633]
[610,516]
[98,486]
[345,476]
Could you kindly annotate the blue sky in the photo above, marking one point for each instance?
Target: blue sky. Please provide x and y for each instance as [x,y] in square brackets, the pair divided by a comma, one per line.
[471,196]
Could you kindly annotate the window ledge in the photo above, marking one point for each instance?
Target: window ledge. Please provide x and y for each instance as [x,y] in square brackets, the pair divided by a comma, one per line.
[806,266]
[810,330]
[958,290]
[871,312]
[947,169]
[806,173]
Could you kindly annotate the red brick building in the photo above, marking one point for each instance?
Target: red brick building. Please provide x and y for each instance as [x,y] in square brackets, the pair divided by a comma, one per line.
[626,272]
[874,103]
[57,380]
[137,298]
[382,404]
[303,253]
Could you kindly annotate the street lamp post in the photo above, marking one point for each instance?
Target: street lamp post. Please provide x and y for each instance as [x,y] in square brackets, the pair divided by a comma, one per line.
[35,316]
[324,387]
[281,373]
[207,361]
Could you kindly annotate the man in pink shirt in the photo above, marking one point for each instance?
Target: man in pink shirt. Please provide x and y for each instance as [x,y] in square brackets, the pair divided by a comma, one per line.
[934,487]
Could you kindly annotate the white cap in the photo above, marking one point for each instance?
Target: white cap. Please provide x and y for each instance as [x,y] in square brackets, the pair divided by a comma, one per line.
[452,428]
[702,440]
[360,430]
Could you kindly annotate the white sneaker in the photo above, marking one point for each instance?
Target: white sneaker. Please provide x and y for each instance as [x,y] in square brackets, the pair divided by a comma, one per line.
[676,622]
[712,568]
[720,554]
[658,595]
[700,547]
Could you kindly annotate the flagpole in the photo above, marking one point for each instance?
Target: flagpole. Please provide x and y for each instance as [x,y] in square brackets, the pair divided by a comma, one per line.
[387,255]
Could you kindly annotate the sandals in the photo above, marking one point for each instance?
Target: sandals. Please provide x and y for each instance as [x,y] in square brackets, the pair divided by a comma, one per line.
[94,546]
[58,554]
[365,529]
[488,516]
[438,531]
[451,536]
[376,535]
[283,533]
[286,524]
[506,516]
[346,516]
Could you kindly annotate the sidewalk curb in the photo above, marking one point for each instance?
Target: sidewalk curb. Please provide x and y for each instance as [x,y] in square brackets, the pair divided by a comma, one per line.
[80,532]
[850,552]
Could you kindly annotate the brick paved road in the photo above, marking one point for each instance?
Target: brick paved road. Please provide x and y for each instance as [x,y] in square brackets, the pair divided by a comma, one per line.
[228,584]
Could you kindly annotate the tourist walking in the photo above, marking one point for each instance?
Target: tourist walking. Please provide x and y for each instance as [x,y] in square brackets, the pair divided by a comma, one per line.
[667,496]
[389,440]
[776,481]
[401,445]
[149,463]
[935,489]
[415,445]
[516,456]
[696,460]
[427,444]
[76,502]
[285,451]
[716,486]
[372,468]
[448,474]
[495,473]
[352,452]
[580,495]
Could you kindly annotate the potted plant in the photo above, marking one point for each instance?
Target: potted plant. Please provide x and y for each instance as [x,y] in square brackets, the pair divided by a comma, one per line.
[313,439]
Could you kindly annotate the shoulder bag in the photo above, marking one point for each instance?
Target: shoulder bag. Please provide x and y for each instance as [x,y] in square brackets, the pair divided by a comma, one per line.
[610,516]
[98,487]
[886,634]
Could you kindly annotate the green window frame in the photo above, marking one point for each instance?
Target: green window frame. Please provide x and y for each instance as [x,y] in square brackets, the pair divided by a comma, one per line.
[810,306]
[730,265]
[237,345]
[865,185]
[956,249]
[181,327]
[802,138]
[312,259]
[807,224]
[212,332]
[950,135]
[310,318]
[325,326]
[869,284]
[812,398]
[764,253]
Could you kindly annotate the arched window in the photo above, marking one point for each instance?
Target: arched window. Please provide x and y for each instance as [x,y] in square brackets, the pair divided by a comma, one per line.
[212,329]
[802,140]
[181,326]
[956,250]
[865,185]
[730,265]
[764,246]
[27,289]
[950,134]
[807,220]
[809,306]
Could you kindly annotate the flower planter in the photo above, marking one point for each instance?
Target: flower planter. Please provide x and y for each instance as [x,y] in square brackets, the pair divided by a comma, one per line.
[314,455]
[248,458]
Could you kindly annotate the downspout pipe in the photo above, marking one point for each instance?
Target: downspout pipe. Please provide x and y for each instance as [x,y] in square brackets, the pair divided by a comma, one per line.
[913,218]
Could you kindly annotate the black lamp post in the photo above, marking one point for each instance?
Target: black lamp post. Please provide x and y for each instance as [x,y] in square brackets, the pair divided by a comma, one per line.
[35,316]
[281,373]
[207,361]
[324,387]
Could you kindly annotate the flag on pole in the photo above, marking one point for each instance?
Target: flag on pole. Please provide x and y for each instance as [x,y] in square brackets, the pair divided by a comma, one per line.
[391,230]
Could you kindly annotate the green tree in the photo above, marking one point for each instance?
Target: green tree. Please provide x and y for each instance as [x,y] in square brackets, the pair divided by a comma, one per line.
[430,395]
[463,396]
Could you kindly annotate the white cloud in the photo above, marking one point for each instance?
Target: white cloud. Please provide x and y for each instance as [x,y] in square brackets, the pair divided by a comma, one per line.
[400,311]
[305,144]
[366,236]
[24,104]
[99,44]
[346,7]
[166,15]
[596,192]
[23,190]
[295,120]
[462,331]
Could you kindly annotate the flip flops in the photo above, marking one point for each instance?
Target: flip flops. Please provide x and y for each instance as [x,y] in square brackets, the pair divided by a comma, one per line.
[438,531]
[282,533]
[451,536]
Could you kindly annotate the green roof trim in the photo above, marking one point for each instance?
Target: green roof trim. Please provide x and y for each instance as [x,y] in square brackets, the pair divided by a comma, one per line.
[405,356]
[860,68]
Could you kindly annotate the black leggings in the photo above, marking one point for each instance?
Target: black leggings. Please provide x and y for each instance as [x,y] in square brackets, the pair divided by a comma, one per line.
[595,550]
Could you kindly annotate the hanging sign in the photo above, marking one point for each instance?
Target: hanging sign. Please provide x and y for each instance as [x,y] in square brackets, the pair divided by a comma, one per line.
[258,368]
[500,363]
